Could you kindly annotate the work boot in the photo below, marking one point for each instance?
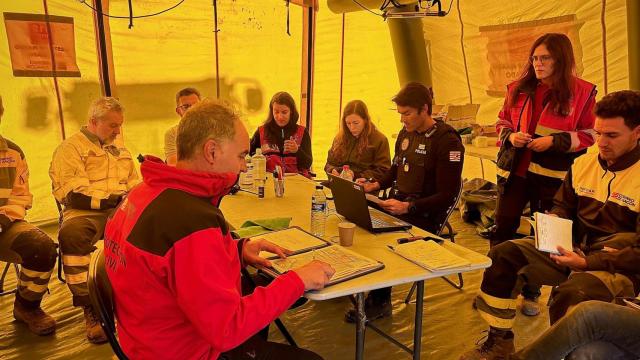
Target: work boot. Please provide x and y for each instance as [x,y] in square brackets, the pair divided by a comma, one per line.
[38,321]
[372,309]
[95,334]
[498,346]
[530,307]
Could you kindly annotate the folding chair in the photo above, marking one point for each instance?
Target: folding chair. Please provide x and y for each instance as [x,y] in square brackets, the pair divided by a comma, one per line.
[4,275]
[101,296]
[60,218]
[451,236]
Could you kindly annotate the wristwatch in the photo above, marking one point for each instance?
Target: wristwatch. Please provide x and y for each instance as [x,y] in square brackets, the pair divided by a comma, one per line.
[412,207]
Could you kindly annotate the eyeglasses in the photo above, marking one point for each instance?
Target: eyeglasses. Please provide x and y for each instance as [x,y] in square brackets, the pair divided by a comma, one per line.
[184,107]
[542,58]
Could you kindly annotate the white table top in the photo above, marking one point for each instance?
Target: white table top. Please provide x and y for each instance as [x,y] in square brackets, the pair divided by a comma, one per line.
[296,203]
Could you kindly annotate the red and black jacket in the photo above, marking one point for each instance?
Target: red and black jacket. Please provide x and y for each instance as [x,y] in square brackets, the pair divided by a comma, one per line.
[175,270]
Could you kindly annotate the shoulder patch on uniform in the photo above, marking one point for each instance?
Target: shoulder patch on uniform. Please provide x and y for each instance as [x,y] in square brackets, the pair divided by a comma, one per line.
[455,156]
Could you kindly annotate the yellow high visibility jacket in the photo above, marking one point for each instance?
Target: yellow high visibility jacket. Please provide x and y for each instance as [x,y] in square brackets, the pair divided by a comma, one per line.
[81,164]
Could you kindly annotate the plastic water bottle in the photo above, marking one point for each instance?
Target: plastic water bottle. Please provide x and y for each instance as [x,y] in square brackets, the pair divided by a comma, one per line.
[259,163]
[318,212]
[346,173]
[246,178]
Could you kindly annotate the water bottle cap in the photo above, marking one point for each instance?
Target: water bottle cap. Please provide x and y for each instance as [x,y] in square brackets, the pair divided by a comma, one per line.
[345,167]
[258,151]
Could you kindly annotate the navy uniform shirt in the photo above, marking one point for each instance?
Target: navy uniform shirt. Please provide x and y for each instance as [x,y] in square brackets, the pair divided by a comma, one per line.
[427,167]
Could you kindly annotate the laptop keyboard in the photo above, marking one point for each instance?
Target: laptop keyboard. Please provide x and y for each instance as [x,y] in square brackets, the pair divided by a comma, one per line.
[377,222]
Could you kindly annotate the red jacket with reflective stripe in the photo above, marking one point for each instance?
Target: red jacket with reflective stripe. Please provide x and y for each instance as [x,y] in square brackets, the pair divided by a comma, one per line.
[175,270]
[572,134]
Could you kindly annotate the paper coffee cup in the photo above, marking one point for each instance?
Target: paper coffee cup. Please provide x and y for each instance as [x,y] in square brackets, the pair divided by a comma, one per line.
[346,231]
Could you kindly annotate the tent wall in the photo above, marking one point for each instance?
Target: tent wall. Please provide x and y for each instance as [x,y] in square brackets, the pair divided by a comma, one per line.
[162,54]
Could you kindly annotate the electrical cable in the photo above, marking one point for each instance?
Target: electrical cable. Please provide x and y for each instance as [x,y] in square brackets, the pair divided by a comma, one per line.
[464,53]
[133,17]
[367,9]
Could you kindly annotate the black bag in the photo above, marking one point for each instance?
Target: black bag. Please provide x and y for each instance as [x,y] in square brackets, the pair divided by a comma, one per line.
[478,201]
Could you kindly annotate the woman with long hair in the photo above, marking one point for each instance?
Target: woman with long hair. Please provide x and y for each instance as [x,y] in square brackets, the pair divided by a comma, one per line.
[281,139]
[546,122]
[359,144]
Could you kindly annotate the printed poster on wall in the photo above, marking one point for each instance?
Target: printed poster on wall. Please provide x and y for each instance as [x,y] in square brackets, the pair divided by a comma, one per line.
[508,47]
[31,46]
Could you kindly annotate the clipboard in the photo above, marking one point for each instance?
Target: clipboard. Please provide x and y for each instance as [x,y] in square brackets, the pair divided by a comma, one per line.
[294,239]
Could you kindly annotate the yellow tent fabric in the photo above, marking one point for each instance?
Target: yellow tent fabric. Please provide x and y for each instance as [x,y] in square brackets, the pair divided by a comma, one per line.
[162,54]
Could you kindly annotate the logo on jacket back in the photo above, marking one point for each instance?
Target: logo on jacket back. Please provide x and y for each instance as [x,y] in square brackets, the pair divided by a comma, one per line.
[7,160]
[585,191]
[624,199]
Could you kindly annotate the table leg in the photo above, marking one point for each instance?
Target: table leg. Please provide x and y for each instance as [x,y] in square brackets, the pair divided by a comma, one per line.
[361,326]
[417,331]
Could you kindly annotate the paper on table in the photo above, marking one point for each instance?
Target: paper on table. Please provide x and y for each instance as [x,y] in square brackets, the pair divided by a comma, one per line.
[345,262]
[430,255]
[294,239]
[374,199]
[551,232]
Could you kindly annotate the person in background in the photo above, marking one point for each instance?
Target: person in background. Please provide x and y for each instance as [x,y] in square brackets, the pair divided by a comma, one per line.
[427,169]
[91,172]
[281,139]
[359,144]
[600,195]
[545,123]
[176,274]
[22,242]
[185,99]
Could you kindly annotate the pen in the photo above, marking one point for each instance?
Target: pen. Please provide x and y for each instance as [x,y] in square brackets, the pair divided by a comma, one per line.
[410,239]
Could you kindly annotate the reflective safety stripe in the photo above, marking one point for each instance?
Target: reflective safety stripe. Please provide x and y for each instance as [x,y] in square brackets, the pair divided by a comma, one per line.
[498,303]
[537,169]
[497,322]
[502,173]
[76,260]
[33,287]
[36,274]
[76,278]
[95,203]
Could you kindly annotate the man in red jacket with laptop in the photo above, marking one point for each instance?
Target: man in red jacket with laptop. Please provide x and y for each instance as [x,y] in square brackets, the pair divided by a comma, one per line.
[173,265]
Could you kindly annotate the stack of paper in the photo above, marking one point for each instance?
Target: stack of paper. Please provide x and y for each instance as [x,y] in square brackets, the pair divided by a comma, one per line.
[294,239]
[431,256]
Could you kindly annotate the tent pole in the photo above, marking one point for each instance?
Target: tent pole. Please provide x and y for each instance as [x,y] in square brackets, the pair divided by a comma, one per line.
[308,45]
[633,41]
[103,44]
[410,51]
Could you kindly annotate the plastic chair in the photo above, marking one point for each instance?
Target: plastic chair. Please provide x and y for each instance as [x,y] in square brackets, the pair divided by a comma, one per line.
[451,236]
[4,275]
[101,296]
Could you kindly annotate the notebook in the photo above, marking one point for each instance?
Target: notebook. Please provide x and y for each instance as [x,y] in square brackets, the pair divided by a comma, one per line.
[551,232]
[294,239]
[430,255]
[347,264]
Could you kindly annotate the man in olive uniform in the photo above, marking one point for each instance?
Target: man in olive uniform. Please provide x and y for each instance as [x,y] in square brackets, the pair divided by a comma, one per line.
[23,243]
[91,172]
[424,176]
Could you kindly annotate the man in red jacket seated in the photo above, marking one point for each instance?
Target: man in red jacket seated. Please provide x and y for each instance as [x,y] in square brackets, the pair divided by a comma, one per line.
[173,265]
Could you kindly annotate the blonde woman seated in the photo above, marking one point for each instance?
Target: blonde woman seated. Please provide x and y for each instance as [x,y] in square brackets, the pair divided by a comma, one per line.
[359,144]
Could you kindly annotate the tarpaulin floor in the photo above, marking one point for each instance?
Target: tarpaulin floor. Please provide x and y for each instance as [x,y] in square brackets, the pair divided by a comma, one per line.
[451,326]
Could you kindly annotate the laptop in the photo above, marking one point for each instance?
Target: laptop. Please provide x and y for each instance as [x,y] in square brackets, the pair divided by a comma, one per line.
[351,202]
